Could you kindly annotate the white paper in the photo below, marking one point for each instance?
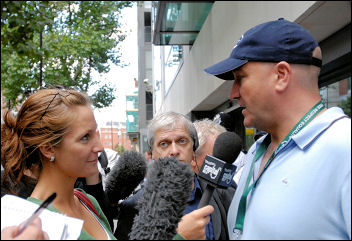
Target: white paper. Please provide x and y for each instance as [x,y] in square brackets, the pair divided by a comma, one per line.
[15,210]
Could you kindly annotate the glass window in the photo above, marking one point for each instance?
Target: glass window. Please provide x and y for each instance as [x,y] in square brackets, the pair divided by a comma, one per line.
[148,59]
[338,94]
[149,105]
[180,22]
[173,59]
[157,77]
[147,4]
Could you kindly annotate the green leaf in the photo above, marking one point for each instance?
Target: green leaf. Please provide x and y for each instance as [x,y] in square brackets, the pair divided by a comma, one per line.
[72,45]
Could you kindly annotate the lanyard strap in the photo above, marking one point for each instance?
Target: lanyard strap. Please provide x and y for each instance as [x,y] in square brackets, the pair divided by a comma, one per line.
[260,151]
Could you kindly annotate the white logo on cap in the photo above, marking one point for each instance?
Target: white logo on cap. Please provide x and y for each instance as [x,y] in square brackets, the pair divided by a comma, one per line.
[238,41]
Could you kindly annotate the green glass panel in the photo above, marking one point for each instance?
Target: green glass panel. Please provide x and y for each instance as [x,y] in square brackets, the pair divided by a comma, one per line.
[178,38]
[185,16]
[132,122]
[181,22]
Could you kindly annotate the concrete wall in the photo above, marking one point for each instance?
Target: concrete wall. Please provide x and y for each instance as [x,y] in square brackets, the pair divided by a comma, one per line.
[226,22]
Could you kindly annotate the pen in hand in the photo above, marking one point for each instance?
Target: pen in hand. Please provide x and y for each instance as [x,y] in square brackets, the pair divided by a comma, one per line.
[37,212]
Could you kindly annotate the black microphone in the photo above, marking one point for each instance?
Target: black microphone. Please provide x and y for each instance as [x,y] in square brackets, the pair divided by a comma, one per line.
[217,170]
[164,200]
[103,160]
[125,175]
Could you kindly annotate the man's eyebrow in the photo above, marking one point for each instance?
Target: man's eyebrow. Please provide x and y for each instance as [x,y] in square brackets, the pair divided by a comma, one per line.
[163,139]
[166,138]
[238,71]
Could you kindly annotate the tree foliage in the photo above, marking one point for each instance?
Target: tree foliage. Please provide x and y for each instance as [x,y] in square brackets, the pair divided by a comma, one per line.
[46,43]
[119,148]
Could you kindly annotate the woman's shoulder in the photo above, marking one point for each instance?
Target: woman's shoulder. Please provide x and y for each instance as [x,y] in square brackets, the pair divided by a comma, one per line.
[91,197]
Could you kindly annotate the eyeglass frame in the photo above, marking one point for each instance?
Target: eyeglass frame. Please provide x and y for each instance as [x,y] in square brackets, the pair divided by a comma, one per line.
[58,93]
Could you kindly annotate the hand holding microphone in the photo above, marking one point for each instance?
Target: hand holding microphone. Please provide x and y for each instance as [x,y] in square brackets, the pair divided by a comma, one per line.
[192,225]
[166,192]
[168,188]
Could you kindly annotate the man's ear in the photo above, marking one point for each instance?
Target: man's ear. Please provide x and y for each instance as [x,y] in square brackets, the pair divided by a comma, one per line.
[193,162]
[47,151]
[283,74]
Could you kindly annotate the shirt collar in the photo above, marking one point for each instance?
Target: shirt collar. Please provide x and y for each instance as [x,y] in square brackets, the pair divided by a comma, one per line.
[317,126]
[260,141]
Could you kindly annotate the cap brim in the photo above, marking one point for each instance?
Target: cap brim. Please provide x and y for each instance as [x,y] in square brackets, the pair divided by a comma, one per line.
[223,69]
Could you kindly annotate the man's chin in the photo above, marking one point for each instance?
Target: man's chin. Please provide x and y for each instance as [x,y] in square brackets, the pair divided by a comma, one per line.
[247,123]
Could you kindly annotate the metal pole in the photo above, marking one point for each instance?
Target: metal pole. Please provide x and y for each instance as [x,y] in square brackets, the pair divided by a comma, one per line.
[41,60]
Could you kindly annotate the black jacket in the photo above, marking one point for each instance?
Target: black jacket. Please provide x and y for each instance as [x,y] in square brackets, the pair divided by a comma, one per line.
[127,211]
[220,200]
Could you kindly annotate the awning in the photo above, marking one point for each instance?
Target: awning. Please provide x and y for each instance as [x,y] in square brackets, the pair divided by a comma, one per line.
[178,23]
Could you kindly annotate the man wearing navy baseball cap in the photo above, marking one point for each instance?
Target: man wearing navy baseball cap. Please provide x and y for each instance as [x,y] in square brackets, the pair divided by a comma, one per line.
[296,183]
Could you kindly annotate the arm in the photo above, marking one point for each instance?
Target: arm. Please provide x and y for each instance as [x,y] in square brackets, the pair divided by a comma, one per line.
[192,225]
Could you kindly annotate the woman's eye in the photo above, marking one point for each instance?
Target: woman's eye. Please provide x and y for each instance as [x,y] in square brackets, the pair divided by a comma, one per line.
[85,137]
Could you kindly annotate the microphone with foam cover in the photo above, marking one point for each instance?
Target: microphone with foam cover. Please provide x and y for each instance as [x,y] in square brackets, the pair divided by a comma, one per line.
[217,170]
[166,192]
[125,176]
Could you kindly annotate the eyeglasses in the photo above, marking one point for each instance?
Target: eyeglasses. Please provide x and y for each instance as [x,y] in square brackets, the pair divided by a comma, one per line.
[58,93]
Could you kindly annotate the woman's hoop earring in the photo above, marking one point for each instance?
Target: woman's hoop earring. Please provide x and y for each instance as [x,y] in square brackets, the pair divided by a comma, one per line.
[52,158]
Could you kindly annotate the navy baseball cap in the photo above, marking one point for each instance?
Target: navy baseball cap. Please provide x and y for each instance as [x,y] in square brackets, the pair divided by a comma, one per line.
[273,41]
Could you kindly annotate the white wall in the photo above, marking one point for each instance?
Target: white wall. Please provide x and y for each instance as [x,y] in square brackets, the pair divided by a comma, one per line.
[193,89]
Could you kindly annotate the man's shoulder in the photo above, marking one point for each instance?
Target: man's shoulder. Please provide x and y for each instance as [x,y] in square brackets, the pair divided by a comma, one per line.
[332,128]
[219,191]
[228,192]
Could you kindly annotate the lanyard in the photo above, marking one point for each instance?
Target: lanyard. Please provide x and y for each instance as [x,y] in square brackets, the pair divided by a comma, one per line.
[262,148]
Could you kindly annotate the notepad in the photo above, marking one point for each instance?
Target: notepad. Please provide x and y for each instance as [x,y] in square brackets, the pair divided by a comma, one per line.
[14,210]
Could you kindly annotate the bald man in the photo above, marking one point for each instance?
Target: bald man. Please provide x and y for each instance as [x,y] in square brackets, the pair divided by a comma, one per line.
[296,183]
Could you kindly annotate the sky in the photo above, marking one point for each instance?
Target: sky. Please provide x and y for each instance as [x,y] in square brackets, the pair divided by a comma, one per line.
[121,78]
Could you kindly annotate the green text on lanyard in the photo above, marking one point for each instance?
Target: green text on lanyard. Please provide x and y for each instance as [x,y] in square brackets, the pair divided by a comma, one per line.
[262,148]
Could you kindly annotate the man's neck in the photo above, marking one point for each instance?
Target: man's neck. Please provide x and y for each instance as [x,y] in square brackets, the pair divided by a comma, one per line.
[288,116]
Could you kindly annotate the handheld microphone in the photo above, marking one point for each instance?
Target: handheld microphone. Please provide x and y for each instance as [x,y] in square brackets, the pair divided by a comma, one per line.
[164,200]
[217,170]
[125,176]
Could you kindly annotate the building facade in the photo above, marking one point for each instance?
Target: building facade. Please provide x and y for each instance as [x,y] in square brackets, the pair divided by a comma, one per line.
[195,35]
[113,135]
[145,79]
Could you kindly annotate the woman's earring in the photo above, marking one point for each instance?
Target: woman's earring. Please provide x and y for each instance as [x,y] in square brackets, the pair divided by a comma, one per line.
[52,158]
